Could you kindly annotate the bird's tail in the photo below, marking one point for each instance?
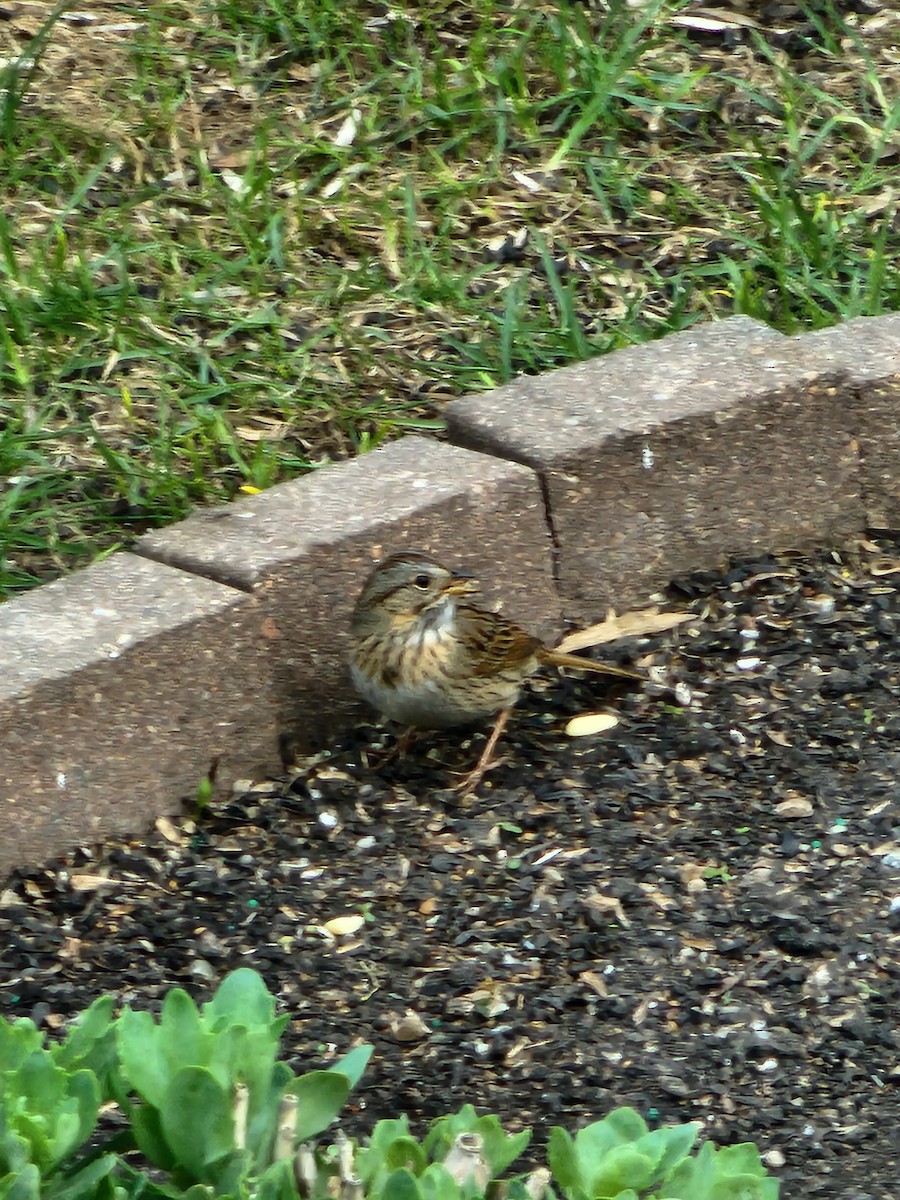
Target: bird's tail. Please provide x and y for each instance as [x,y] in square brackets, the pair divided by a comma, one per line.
[558,658]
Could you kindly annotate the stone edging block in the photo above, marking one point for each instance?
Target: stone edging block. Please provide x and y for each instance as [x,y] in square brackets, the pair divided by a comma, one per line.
[121,684]
[675,455]
[222,638]
[866,352]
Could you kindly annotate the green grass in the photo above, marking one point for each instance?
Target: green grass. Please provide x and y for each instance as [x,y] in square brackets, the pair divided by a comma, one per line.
[240,241]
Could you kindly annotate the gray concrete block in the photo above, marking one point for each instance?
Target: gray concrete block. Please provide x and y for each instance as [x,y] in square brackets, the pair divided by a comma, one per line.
[672,456]
[304,548]
[121,684]
[868,349]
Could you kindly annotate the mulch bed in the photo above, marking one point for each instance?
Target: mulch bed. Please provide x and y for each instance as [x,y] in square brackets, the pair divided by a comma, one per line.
[697,915]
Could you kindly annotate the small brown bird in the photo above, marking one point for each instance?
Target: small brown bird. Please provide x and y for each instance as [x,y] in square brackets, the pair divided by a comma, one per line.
[420,654]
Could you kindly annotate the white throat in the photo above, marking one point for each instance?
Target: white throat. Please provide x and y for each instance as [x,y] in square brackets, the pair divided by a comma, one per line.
[437,623]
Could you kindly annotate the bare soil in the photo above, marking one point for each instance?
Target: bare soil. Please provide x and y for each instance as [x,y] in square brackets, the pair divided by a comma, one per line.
[698,915]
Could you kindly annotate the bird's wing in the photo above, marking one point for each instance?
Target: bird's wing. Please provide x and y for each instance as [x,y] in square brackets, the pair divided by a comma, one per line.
[495,644]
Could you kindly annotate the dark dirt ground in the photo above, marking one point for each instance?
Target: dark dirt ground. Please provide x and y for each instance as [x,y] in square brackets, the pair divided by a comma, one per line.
[698,914]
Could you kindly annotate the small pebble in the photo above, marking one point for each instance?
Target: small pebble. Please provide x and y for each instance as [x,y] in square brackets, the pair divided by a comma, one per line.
[339,927]
[683,694]
[590,724]
[409,1028]
[795,806]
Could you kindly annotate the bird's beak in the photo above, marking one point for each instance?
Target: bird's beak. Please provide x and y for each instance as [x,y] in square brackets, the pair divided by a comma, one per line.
[461,585]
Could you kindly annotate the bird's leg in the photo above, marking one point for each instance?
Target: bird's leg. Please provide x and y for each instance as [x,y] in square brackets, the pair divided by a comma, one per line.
[404,740]
[471,781]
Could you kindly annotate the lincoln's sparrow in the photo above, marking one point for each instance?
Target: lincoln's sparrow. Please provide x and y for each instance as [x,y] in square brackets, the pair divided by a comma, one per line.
[422,655]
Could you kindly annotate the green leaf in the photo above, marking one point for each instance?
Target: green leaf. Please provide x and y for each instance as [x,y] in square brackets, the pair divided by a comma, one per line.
[500,1149]
[401,1185]
[15,1150]
[231,1176]
[54,1111]
[732,1173]
[88,1028]
[264,1114]
[650,1159]
[678,1141]
[242,998]
[621,1126]
[520,1187]
[277,1182]
[233,1040]
[436,1183]
[143,1063]
[616,1155]
[81,1111]
[740,1160]
[24,1185]
[235,1055]
[322,1095]
[146,1125]
[353,1064]
[91,1043]
[405,1152]
[197,1121]
[181,1031]
[84,1182]
[562,1159]
[18,1040]
[621,1167]
[370,1159]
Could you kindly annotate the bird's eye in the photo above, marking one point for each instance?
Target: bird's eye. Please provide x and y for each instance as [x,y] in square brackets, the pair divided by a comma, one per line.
[422,582]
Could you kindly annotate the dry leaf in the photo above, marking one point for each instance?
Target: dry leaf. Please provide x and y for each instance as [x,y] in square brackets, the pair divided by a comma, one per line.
[346,135]
[234,182]
[169,831]
[601,904]
[634,624]
[275,432]
[530,184]
[714,20]
[660,899]
[640,1013]
[780,739]
[86,882]
[595,982]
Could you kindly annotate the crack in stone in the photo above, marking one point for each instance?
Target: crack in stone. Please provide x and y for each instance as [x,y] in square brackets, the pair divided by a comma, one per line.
[555,550]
